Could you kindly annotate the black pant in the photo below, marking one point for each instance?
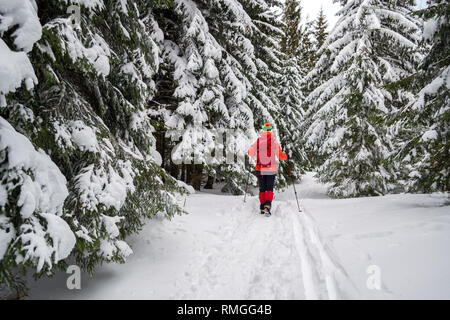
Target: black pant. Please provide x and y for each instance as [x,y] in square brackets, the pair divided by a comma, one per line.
[266,181]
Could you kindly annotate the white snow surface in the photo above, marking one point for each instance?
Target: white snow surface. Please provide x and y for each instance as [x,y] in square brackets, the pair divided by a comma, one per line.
[429,135]
[105,185]
[223,249]
[97,54]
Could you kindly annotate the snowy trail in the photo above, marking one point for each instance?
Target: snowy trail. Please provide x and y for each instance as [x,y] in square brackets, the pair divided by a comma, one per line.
[320,265]
[249,256]
[281,257]
[255,259]
[224,249]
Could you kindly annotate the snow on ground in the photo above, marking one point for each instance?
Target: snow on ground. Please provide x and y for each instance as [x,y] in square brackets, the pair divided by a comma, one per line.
[223,249]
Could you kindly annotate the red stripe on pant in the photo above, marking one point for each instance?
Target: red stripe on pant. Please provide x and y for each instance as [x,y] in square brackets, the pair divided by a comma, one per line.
[262,197]
[265,196]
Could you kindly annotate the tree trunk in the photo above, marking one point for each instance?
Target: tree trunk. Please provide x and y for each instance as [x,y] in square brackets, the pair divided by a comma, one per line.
[209,182]
[196,175]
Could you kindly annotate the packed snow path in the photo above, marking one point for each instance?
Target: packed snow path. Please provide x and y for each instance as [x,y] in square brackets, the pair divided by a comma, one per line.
[224,249]
[255,257]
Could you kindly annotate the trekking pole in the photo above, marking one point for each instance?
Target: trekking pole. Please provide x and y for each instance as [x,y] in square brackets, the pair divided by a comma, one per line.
[295,191]
[246,184]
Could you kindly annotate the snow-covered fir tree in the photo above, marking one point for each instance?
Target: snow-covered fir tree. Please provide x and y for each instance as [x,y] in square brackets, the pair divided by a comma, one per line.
[299,35]
[289,119]
[292,18]
[320,30]
[373,44]
[88,153]
[314,34]
[264,34]
[210,90]
[33,231]
[307,51]
[233,48]
[265,37]
[201,108]
[232,27]
[424,124]
[290,95]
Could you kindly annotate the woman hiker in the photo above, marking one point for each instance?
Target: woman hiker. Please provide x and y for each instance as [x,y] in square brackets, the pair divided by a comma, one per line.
[266,148]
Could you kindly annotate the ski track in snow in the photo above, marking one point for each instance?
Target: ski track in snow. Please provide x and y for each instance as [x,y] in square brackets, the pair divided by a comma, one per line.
[320,267]
[249,262]
[280,257]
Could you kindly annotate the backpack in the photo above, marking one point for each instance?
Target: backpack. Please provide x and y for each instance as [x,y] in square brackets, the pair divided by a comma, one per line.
[266,151]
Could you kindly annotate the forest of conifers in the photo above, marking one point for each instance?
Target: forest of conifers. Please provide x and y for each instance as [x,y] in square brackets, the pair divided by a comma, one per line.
[105,104]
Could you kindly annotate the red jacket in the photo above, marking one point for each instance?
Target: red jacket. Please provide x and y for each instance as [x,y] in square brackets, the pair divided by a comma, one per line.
[266,148]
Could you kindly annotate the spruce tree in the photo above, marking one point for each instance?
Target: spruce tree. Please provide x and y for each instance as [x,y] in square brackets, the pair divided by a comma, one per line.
[290,95]
[265,31]
[320,30]
[298,36]
[33,229]
[290,40]
[373,43]
[246,34]
[88,112]
[289,119]
[211,95]
[201,109]
[271,71]
[307,51]
[424,124]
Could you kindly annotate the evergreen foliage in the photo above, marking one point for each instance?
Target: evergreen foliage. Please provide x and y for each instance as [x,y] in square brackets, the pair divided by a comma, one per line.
[423,126]
[320,30]
[105,122]
[89,113]
[372,44]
